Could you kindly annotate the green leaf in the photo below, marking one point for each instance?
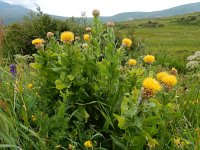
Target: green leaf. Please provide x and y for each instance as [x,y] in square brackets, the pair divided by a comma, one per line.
[36,66]
[60,85]
[121,121]
[70,77]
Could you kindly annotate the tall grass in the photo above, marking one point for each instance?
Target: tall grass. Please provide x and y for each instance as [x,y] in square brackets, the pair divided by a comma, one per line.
[1,41]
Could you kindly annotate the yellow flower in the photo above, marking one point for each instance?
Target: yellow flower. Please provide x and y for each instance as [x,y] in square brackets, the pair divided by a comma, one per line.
[30,86]
[169,80]
[67,36]
[149,59]
[177,141]
[37,41]
[127,42]
[160,75]
[86,37]
[152,143]
[33,117]
[88,144]
[132,62]
[151,86]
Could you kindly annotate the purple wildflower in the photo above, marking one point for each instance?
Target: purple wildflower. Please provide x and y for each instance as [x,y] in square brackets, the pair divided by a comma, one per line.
[13,69]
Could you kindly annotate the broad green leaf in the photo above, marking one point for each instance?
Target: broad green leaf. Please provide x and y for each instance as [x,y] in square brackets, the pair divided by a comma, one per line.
[36,66]
[60,85]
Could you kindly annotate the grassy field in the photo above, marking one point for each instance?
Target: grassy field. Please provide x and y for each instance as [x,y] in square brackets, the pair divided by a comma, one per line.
[168,34]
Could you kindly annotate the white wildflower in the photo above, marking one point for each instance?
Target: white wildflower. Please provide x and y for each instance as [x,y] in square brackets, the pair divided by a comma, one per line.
[190,58]
[192,65]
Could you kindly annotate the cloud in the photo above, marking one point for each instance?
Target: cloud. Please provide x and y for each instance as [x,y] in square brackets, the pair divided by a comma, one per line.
[27,3]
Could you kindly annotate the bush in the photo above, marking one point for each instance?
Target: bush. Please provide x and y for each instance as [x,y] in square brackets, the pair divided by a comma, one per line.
[18,37]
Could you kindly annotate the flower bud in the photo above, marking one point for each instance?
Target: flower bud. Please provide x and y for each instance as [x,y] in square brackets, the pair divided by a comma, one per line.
[77,38]
[95,12]
[88,29]
[49,35]
[110,24]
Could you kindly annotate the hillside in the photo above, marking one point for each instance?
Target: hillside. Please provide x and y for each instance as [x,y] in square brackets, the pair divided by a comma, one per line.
[183,9]
[12,13]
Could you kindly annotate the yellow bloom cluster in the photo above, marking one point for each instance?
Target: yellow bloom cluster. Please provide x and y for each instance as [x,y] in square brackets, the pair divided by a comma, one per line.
[86,37]
[67,36]
[149,59]
[151,86]
[160,75]
[127,42]
[88,144]
[37,41]
[169,80]
[132,62]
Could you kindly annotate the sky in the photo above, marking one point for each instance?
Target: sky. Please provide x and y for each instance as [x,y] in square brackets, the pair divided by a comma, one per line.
[74,8]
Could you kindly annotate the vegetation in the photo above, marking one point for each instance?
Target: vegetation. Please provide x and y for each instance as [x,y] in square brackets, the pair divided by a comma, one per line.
[18,36]
[98,91]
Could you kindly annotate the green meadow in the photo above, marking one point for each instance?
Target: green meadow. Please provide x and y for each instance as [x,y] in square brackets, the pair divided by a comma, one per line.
[169,35]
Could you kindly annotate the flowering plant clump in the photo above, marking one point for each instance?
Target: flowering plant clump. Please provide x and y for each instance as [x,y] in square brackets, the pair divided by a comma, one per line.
[126,42]
[67,37]
[69,86]
[149,59]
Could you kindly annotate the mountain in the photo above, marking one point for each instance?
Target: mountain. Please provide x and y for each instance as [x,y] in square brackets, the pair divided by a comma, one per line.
[178,10]
[12,13]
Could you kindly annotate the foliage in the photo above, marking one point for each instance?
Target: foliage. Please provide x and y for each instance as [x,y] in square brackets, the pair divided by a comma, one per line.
[76,94]
[18,36]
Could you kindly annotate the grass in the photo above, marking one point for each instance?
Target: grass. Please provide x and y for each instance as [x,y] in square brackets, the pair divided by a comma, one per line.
[183,39]
[1,39]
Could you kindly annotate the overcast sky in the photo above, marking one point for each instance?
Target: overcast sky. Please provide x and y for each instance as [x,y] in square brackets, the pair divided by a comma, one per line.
[107,7]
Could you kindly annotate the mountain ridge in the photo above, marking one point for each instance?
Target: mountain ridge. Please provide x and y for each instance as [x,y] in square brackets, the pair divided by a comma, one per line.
[13,13]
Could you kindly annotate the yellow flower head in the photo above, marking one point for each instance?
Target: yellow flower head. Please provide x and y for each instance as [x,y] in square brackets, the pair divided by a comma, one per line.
[88,144]
[127,42]
[149,59]
[30,86]
[177,141]
[160,75]
[169,80]
[37,41]
[132,62]
[151,85]
[67,36]
[33,117]
[152,143]
[86,37]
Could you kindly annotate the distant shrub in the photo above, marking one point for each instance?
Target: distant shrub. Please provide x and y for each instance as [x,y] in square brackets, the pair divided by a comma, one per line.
[151,24]
[18,36]
[189,20]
